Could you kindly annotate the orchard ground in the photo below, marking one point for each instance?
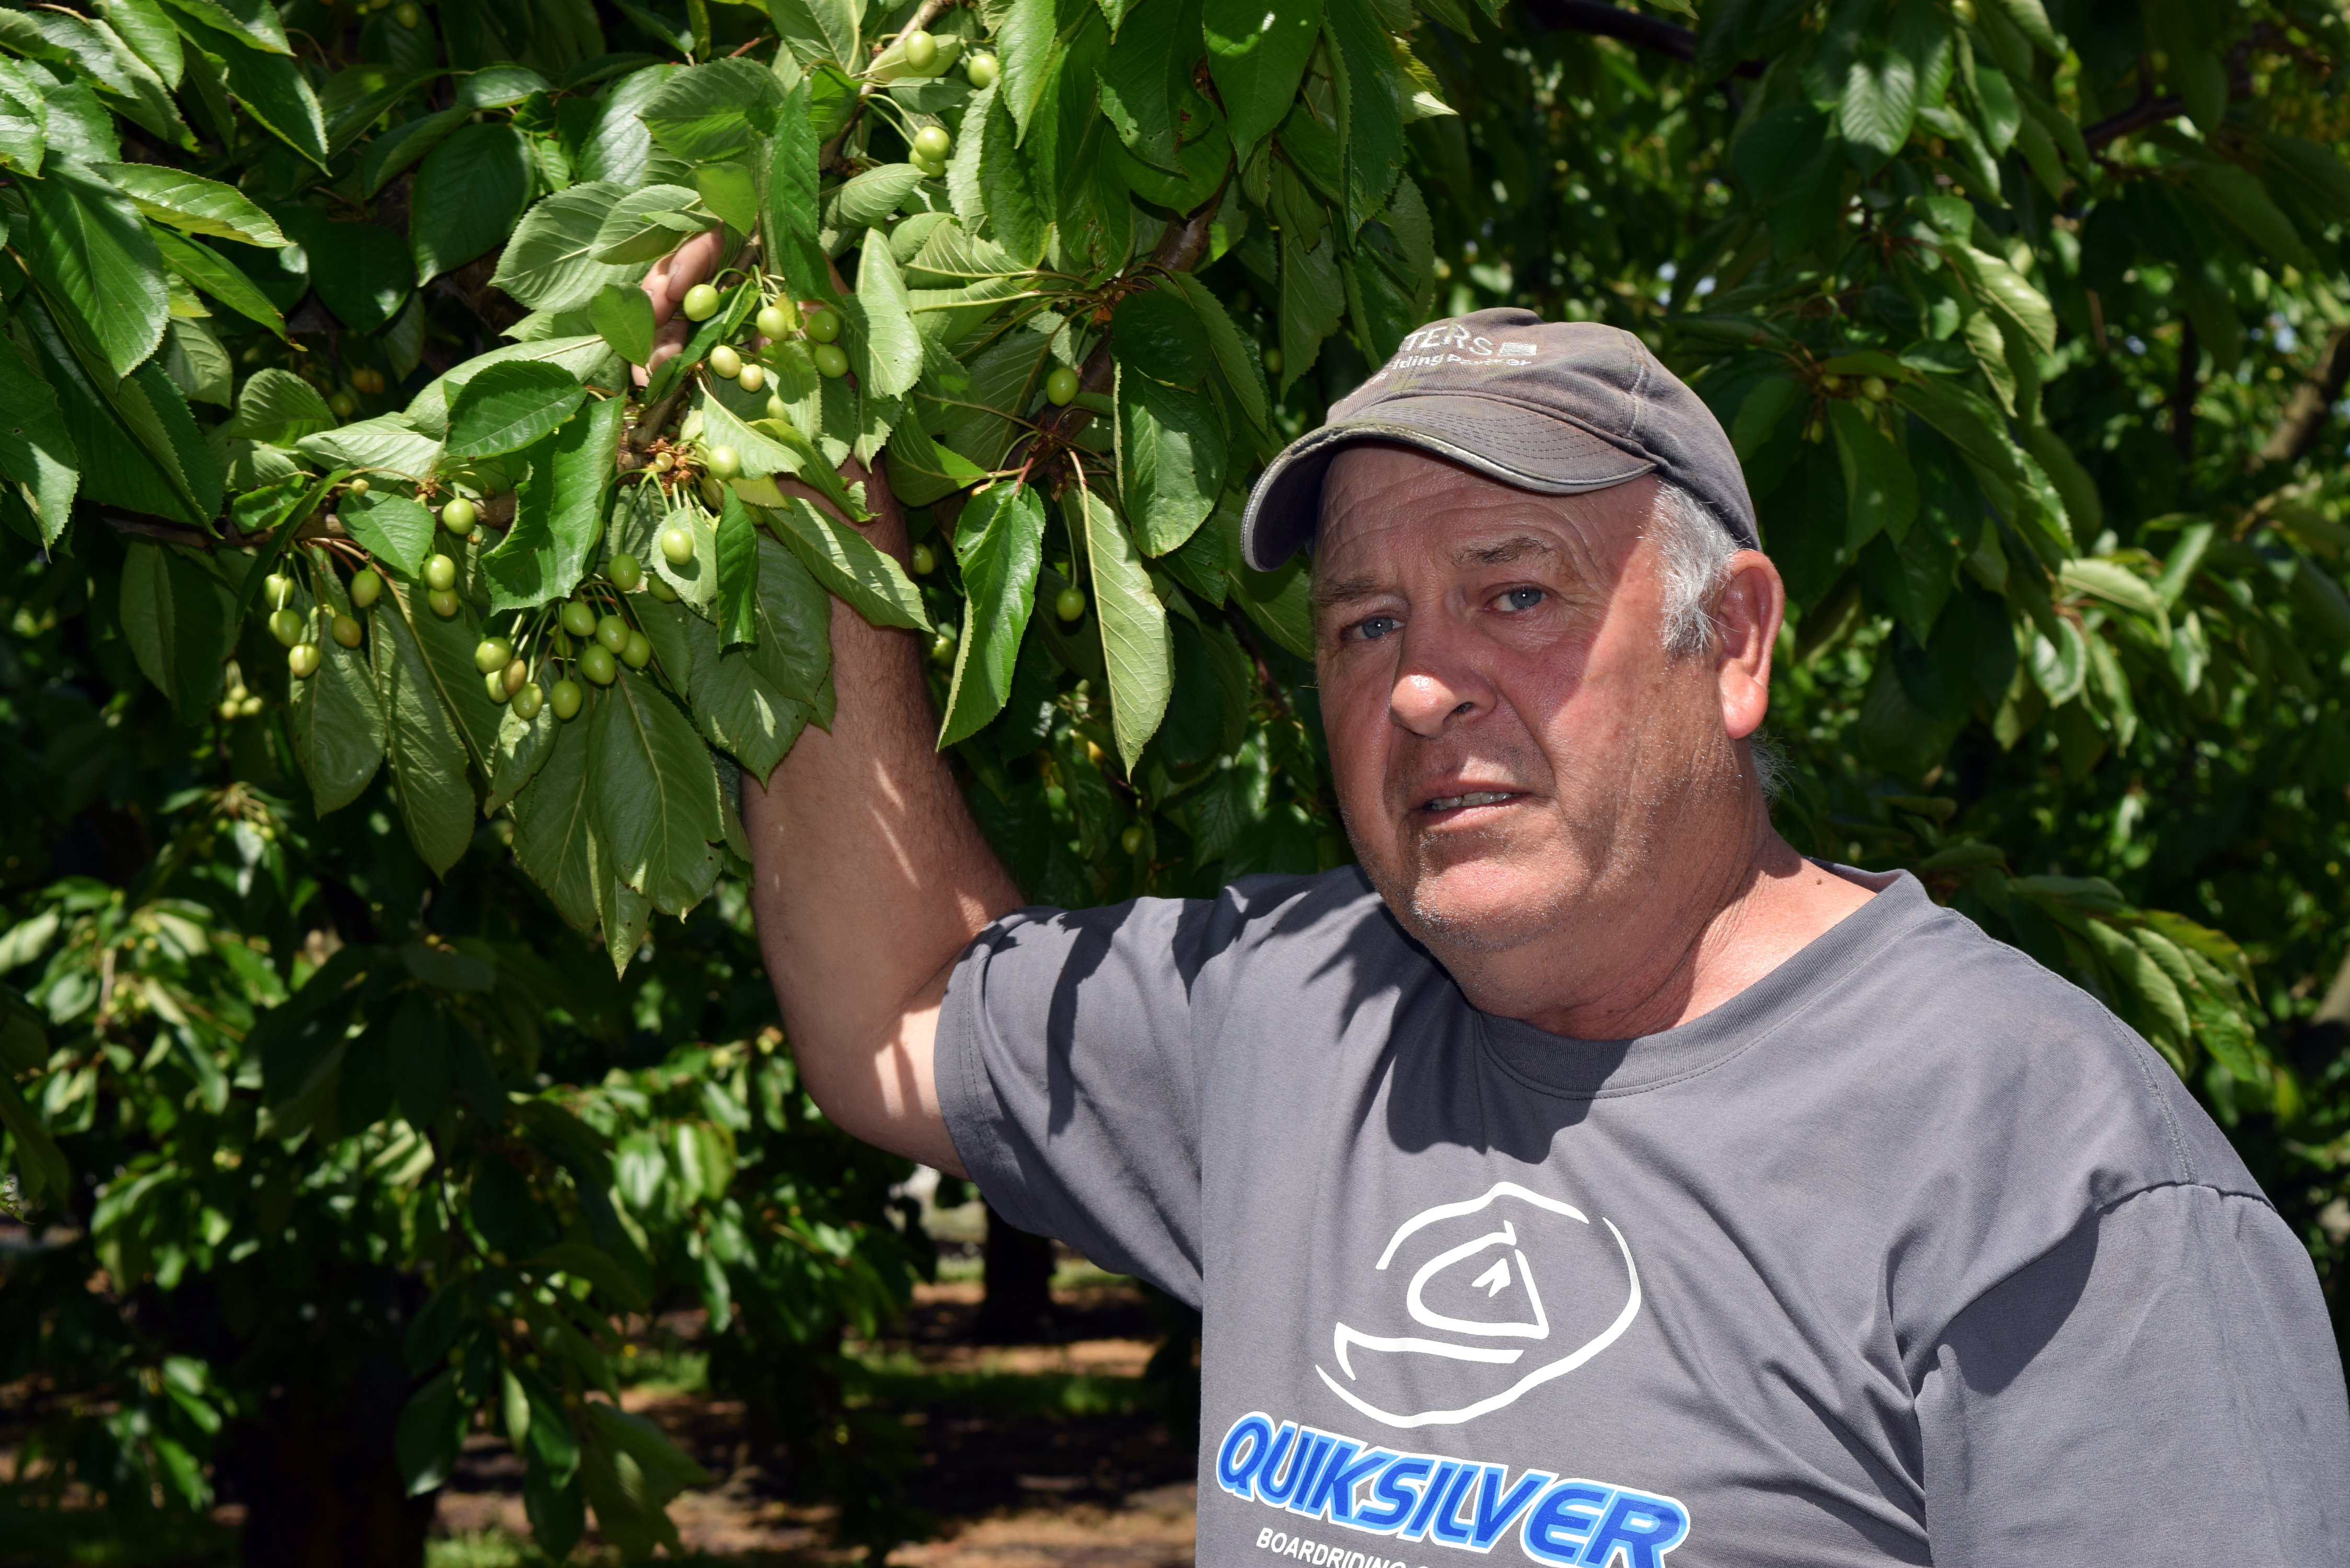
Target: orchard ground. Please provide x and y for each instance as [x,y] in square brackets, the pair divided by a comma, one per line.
[1049,1454]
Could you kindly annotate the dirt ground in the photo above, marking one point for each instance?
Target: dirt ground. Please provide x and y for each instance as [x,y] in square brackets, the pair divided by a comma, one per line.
[1008,1481]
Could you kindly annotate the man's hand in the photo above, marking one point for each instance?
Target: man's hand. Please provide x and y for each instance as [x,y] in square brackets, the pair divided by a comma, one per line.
[869,876]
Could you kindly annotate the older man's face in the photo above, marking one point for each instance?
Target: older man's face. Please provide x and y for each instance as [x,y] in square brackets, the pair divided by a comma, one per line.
[1512,741]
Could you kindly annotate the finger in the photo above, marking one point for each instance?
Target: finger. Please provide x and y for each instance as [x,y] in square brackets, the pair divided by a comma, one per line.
[668,343]
[693,262]
[656,286]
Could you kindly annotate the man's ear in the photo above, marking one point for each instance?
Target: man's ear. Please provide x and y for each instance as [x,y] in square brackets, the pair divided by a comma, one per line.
[1753,604]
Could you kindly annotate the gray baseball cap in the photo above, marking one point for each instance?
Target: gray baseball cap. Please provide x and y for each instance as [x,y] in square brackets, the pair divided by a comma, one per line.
[1557,408]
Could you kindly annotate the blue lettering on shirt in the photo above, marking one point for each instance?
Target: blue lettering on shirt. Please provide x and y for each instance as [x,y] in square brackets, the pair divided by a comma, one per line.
[1468,1504]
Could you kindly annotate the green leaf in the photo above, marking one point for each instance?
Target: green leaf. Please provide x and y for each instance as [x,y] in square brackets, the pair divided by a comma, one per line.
[36,454]
[192,263]
[175,615]
[1135,642]
[395,529]
[1033,43]
[1170,459]
[1140,78]
[361,272]
[794,207]
[1881,491]
[738,573]
[2245,202]
[253,24]
[553,817]
[507,406]
[710,111]
[271,88]
[1370,110]
[598,1269]
[191,204]
[656,795]
[523,745]
[558,510]
[337,724]
[1312,296]
[1019,205]
[422,737]
[2002,287]
[1257,54]
[387,157]
[23,119]
[1000,540]
[882,318]
[156,458]
[469,196]
[88,251]
[385,444]
[431,1427]
[1240,361]
[849,564]
[551,262]
[2029,18]
[868,199]
[819,30]
[623,316]
[1156,333]
[646,224]
[43,1164]
[278,407]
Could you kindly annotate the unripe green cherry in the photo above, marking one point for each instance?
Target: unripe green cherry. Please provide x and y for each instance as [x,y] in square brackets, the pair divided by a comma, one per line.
[777,409]
[366,587]
[579,619]
[658,588]
[830,362]
[249,708]
[1272,361]
[921,51]
[1875,389]
[929,168]
[934,142]
[752,378]
[280,590]
[443,602]
[822,325]
[494,683]
[638,651]
[625,571]
[302,659]
[677,544]
[943,650]
[724,462]
[597,663]
[1069,603]
[491,653]
[612,633]
[1131,839]
[440,573]
[701,302]
[980,69]
[566,699]
[460,515]
[1831,384]
[925,561]
[1964,11]
[772,322]
[725,361]
[358,487]
[285,626]
[1061,385]
[343,405]
[516,674]
[346,630]
[527,701]
[409,15]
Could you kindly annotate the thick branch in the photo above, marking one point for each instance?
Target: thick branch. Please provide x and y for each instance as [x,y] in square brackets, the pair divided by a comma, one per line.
[2139,115]
[2312,402]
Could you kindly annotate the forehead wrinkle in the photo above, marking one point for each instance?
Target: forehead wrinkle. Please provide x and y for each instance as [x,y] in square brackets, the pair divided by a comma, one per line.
[1504,552]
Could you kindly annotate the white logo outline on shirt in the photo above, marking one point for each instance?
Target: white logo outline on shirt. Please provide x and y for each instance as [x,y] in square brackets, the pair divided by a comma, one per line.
[1345,1339]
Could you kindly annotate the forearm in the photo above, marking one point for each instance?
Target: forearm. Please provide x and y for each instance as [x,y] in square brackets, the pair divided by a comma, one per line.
[871,878]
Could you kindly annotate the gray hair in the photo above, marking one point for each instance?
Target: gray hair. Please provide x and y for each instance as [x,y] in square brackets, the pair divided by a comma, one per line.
[1697,551]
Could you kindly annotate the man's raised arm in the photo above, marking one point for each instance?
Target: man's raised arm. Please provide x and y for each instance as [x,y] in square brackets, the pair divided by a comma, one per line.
[871,877]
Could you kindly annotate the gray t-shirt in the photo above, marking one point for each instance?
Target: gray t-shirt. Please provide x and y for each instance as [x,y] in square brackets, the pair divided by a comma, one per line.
[1909,1252]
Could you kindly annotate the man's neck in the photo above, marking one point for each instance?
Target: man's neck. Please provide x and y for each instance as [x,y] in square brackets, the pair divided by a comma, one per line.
[1673,949]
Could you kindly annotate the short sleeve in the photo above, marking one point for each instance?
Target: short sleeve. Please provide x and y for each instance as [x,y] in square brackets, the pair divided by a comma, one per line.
[1065,1068]
[2161,1387]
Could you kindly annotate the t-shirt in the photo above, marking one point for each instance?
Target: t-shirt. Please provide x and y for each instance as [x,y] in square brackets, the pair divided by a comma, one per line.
[1908,1252]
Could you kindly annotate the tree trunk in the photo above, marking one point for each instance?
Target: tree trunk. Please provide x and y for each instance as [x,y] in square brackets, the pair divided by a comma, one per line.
[1018,1307]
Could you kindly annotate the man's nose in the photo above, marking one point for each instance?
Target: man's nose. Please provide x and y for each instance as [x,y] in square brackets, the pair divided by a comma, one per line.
[1433,693]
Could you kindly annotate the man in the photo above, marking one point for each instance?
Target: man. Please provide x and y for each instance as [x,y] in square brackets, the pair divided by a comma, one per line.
[1586,1178]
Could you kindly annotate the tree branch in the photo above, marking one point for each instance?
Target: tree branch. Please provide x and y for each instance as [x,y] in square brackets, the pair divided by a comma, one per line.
[1650,33]
[2312,402]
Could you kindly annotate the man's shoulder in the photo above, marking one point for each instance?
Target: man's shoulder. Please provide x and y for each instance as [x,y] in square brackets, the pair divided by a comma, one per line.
[2020,1055]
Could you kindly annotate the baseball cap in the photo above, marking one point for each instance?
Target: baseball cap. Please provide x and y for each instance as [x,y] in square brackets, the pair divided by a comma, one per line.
[1559,408]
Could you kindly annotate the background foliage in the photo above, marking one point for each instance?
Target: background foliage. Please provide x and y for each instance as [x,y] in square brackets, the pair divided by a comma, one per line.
[333,1136]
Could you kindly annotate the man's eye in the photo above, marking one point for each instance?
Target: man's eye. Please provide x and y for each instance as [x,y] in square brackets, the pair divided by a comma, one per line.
[1521,599]
[1377,627]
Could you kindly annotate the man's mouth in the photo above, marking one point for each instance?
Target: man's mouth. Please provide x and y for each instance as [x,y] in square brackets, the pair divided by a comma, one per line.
[1472,797]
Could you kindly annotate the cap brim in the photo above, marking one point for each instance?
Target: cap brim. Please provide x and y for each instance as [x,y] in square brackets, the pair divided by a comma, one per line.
[1504,440]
